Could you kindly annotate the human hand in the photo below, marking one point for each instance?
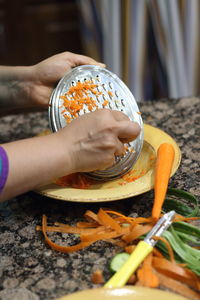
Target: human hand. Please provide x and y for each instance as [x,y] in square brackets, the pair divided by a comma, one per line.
[27,88]
[92,140]
[44,75]
[88,143]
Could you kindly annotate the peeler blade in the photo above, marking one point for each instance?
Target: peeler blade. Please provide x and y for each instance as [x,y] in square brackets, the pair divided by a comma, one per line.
[162,225]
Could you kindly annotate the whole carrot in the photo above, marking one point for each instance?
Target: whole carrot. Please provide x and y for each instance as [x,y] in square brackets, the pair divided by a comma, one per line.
[164,163]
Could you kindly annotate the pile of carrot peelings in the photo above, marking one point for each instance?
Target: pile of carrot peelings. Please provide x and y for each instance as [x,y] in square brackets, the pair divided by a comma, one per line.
[173,264]
[175,260]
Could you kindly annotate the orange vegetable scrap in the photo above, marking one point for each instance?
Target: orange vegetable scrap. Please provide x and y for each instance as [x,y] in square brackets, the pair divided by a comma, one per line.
[130,176]
[132,279]
[83,96]
[78,97]
[146,274]
[176,271]
[81,181]
[168,246]
[67,118]
[107,225]
[105,103]
[131,149]
[76,180]
[110,93]
[97,277]
[177,287]
[155,271]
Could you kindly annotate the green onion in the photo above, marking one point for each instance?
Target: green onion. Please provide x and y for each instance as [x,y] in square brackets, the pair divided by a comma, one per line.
[186,253]
[180,207]
[189,229]
[188,239]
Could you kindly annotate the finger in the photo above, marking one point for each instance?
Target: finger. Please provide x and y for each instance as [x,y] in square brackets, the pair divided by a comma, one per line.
[127,131]
[119,116]
[118,152]
[119,148]
[86,60]
[107,164]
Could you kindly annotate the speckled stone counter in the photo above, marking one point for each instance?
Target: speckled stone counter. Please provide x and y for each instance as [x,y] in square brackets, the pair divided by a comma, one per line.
[29,269]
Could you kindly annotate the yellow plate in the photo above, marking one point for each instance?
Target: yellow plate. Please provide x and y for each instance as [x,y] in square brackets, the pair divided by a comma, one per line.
[115,190]
[125,293]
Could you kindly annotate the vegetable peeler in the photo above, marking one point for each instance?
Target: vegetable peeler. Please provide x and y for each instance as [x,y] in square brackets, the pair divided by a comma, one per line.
[143,248]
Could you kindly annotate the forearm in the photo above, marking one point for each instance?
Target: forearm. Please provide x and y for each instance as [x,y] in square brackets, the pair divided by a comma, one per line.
[29,87]
[34,162]
[15,85]
[88,143]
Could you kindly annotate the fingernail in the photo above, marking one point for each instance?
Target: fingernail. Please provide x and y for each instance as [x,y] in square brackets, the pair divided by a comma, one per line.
[136,125]
[102,65]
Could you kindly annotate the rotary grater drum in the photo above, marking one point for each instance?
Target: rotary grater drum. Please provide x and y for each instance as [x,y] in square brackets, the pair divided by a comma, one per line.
[85,89]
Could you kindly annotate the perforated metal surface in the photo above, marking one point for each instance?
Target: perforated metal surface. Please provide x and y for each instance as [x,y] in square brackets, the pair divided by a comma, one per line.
[107,91]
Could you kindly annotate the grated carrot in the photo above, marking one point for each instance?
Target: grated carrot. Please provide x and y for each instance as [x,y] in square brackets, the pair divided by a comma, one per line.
[76,180]
[81,181]
[105,103]
[130,177]
[77,97]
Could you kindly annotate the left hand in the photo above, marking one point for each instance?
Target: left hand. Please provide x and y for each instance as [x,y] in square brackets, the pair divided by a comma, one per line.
[44,76]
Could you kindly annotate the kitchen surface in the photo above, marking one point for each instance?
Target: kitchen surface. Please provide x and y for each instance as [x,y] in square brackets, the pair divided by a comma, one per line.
[29,268]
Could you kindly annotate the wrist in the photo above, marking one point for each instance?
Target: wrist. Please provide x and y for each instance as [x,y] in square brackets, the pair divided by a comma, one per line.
[15,82]
[23,86]
[64,154]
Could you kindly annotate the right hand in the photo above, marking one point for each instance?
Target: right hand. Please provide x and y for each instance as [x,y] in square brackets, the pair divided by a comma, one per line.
[93,140]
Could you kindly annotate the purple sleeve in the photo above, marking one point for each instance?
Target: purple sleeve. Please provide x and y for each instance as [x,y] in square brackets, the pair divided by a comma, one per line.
[4,166]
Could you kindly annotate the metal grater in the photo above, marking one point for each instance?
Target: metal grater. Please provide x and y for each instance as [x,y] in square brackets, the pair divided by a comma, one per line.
[108,92]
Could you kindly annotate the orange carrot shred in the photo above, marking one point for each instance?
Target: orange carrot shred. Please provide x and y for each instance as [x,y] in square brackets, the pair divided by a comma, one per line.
[129,249]
[136,233]
[146,274]
[157,253]
[86,224]
[176,272]
[65,249]
[177,287]
[130,176]
[70,229]
[108,221]
[97,277]
[167,244]
[123,218]
[108,225]
[102,236]
[91,216]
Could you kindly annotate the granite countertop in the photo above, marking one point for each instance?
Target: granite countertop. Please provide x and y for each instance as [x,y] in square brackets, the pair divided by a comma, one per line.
[29,269]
